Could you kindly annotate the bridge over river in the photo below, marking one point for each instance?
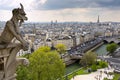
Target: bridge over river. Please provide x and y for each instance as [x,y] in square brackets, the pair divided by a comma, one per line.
[115,39]
[77,52]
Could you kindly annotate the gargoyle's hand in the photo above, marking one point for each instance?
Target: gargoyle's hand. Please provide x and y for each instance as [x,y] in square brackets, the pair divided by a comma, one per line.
[26,62]
[22,61]
[25,46]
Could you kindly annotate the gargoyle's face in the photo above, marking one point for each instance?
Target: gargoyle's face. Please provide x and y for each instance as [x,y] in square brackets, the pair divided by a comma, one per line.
[21,15]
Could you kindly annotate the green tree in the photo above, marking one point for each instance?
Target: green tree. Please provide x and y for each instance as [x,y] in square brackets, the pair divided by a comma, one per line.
[44,65]
[94,67]
[61,49]
[45,48]
[111,48]
[103,64]
[23,73]
[88,59]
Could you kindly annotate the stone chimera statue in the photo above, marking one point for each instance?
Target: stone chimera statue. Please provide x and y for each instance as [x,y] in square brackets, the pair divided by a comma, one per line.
[9,49]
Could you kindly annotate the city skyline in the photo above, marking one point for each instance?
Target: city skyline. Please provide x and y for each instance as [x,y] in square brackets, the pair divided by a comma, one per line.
[63,11]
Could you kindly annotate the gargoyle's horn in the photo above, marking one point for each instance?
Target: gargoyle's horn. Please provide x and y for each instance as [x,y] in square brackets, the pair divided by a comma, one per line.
[21,6]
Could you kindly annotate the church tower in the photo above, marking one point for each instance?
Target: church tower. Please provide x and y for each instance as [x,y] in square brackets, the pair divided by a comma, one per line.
[98,21]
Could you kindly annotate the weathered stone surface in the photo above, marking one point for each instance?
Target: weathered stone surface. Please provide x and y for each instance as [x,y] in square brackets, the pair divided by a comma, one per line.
[9,49]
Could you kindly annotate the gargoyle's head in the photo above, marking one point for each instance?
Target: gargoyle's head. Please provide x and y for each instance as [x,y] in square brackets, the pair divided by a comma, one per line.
[19,13]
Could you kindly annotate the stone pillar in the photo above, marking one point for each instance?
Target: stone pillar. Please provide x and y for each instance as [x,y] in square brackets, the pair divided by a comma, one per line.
[9,62]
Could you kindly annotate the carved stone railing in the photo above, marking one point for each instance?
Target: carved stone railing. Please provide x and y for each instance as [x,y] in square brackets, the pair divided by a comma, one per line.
[9,62]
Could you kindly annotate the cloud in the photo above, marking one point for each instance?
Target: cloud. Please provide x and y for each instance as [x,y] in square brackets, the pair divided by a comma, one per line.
[63,4]
[5,15]
[74,14]
[63,10]
[59,4]
[10,4]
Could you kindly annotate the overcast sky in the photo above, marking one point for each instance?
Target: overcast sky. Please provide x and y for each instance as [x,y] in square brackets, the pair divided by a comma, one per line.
[63,10]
